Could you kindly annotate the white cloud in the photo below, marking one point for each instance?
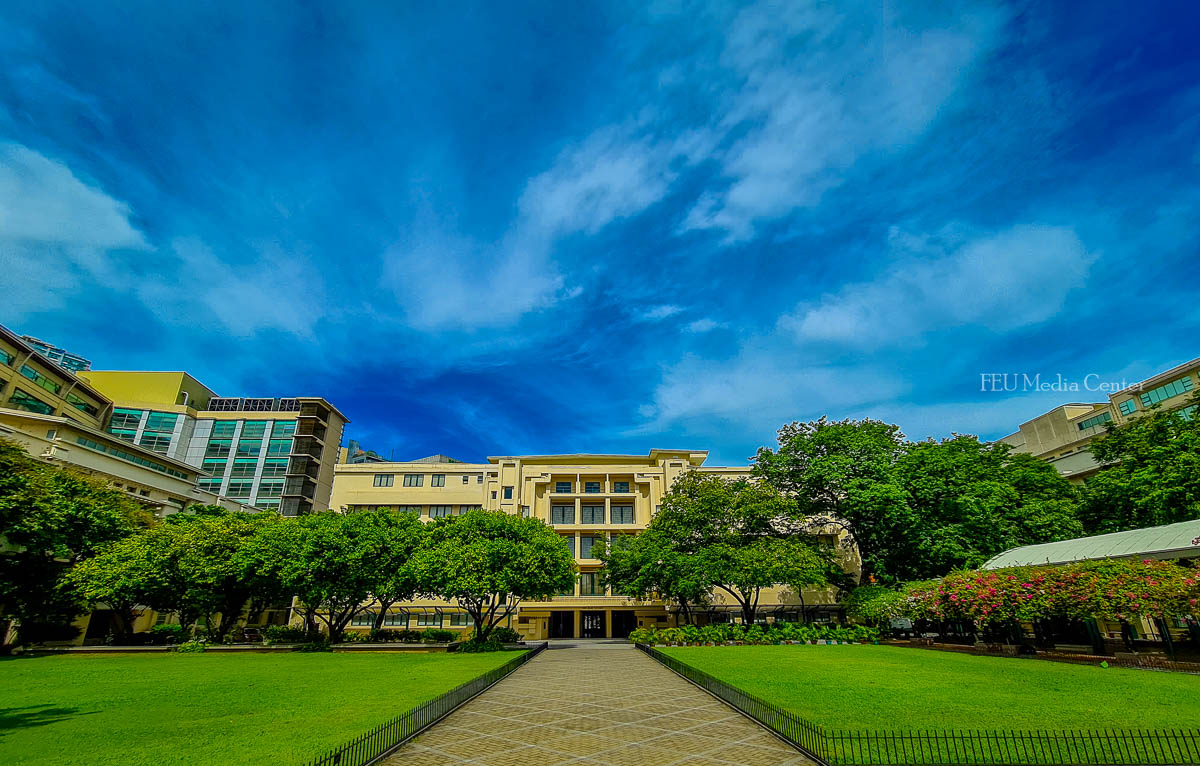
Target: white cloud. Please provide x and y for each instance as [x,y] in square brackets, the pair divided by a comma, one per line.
[703,325]
[1015,278]
[863,82]
[60,236]
[659,313]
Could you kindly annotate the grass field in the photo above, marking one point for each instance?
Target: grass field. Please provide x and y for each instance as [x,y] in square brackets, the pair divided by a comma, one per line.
[226,709]
[883,687]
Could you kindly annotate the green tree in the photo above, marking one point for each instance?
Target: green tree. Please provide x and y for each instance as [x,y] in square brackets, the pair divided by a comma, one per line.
[969,500]
[488,561]
[649,565]
[326,559]
[1151,474]
[50,519]
[125,576]
[741,536]
[396,538]
[842,473]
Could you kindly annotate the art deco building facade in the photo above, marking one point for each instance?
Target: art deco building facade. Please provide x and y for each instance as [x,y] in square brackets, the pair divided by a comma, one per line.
[585,498]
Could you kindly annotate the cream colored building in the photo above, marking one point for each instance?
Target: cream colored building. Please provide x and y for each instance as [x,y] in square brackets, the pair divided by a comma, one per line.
[60,418]
[270,453]
[1062,435]
[585,498]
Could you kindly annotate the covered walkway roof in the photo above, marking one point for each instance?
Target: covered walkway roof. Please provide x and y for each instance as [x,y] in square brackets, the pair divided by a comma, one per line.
[1170,541]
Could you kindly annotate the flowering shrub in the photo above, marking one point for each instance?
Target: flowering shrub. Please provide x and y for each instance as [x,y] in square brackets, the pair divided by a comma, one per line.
[1109,589]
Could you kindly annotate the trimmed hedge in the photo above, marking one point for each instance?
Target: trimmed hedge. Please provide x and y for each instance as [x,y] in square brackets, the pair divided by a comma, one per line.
[773,633]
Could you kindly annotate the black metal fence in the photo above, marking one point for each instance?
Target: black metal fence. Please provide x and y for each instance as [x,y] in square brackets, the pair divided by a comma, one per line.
[1113,747]
[380,741]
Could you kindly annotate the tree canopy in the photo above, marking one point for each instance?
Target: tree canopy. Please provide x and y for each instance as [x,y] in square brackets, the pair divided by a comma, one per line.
[488,561]
[1151,474]
[918,510]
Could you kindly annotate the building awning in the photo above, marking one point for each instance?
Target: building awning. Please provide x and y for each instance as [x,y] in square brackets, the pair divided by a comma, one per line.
[1170,541]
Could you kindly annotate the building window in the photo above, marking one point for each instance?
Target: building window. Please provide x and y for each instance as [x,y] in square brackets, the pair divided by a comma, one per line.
[591,487]
[414,480]
[429,620]
[415,509]
[210,485]
[6,358]
[437,480]
[493,494]
[270,488]
[364,619]
[1174,388]
[82,404]
[161,421]
[249,447]
[562,514]
[622,514]
[218,447]
[621,486]
[478,478]
[396,619]
[440,511]
[123,433]
[284,429]
[240,489]
[254,429]
[586,542]
[459,619]
[39,379]
[589,585]
[562,487]
[466,479]
[591,514]
[463,509]
[215,467]
[23,400]
[224,428]
[1187,412]
[1127,407]
[274,467]
[156,442]
[244,468]
[384,479]
[570,541]
[279,446]
[508,493]
[1095,420]
[123,418]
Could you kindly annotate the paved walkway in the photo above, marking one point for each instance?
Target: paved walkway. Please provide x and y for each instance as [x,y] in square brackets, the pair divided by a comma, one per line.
[589,704]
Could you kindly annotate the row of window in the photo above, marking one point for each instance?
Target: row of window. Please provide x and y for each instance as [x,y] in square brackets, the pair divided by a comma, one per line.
[23,400]
[586,543]
[591,514]
[131,458]
[247,447]
[40,380]
[590,487]
[430,511]
[242,489]
[1095,420]
[247,467]
[589,585]
[6,358]
[253,429]
[418,479]
[1174,388]
[430,620]
[82,404]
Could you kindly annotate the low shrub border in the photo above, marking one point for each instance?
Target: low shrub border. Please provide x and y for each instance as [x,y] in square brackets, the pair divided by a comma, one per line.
[380,742]
[831,747]
[774,633]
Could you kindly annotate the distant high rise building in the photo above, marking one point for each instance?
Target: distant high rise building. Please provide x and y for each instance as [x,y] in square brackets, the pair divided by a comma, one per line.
[356,454]
[59,356]
[272,453]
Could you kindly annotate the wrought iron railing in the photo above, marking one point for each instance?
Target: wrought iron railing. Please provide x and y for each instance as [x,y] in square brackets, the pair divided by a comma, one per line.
[382,740]
[1115,747]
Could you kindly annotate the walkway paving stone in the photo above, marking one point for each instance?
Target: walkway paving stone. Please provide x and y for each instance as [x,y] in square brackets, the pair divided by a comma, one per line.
[595,704]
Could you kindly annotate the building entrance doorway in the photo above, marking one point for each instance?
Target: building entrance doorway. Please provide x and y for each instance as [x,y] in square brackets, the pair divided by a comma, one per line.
[562,625]
[623,623]
[591,624]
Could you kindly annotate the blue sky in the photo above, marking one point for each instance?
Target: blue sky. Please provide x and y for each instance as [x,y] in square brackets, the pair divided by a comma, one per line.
[485,228]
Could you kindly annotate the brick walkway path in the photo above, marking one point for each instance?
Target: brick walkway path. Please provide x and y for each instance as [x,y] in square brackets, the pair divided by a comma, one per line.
[589,705]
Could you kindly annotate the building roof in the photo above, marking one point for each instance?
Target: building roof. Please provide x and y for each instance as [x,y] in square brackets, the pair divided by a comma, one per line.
[433,459]
[1170,541]
[80,383]
[695,457]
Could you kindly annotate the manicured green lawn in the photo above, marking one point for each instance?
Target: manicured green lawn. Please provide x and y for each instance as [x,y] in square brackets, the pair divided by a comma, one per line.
[884,687]
[227,709]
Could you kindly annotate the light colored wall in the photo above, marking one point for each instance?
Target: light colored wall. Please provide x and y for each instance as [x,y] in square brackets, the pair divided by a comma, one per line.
[11,379]
[149,390]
